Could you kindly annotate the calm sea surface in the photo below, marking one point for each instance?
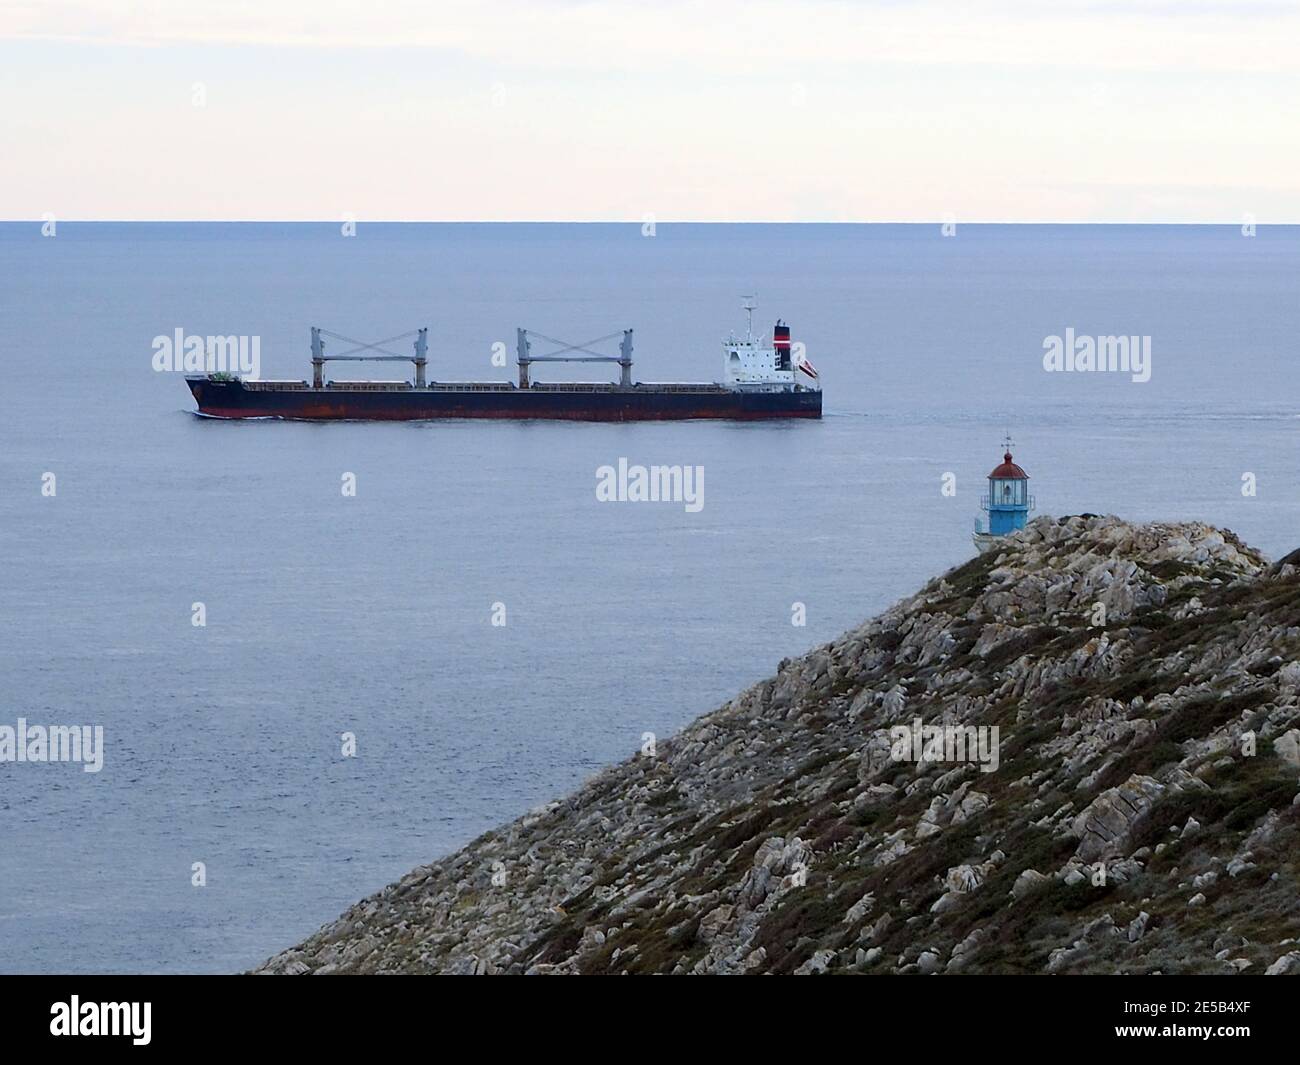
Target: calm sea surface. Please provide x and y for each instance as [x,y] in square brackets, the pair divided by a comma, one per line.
[372,615]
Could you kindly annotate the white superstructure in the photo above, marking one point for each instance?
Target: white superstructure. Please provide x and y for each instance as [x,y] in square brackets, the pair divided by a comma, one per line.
[765,364]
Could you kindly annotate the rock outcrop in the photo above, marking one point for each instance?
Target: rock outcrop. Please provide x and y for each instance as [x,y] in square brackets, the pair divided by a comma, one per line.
[1142,813]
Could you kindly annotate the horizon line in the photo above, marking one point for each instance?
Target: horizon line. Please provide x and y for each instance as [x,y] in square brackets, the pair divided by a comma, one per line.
[1237,222]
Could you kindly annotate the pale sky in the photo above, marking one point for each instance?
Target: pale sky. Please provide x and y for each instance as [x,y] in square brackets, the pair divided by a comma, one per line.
[729,110]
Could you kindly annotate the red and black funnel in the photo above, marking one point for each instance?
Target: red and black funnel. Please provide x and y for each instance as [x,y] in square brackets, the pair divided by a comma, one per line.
[781,342]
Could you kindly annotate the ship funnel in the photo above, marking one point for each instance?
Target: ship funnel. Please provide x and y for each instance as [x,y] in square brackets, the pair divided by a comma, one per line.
[781,343]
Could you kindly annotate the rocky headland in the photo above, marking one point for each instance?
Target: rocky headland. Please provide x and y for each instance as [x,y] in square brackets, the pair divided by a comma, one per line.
[1142,815]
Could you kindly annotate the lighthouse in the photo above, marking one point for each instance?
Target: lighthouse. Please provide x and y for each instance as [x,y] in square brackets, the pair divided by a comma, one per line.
[1008,502]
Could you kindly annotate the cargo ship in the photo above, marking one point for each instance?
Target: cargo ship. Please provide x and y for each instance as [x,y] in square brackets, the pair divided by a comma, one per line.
[762,378]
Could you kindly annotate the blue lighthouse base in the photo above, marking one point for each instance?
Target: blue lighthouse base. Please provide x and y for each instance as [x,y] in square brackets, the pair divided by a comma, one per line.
[1006,520]
[1001,521]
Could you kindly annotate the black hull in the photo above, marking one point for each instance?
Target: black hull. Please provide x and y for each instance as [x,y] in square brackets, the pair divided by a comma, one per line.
[231,399]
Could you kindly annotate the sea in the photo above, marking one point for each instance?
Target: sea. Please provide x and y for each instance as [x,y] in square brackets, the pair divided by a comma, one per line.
[383,674]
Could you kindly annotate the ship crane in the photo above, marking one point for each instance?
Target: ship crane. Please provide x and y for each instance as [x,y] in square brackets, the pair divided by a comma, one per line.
[623,358]
[319,358]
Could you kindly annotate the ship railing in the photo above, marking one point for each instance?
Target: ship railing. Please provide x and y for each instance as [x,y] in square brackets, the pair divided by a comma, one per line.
[571,386]
[640,386]
[370,386]
[276,386]
[1005,505]
[471,386]
[680,386]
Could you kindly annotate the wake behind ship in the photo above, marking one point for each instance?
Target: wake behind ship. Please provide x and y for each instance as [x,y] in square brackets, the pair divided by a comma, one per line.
[762,378]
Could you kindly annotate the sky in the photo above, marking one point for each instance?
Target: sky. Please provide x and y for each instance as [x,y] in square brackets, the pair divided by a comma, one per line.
[710,110]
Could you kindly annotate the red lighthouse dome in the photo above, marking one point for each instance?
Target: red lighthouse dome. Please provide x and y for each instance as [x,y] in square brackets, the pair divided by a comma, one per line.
[1008,471]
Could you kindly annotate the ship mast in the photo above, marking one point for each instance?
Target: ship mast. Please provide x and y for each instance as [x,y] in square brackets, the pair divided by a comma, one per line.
[750,302]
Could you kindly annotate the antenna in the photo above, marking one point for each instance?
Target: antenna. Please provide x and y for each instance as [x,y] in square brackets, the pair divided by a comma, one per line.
[749,303]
